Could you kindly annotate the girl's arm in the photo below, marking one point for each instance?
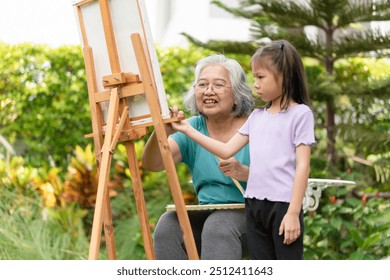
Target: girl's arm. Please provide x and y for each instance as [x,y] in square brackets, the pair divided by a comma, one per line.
[290,223]
[220,149]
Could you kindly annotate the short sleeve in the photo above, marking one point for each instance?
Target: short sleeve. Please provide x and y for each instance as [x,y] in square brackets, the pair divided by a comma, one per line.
[304,132]
[244,129]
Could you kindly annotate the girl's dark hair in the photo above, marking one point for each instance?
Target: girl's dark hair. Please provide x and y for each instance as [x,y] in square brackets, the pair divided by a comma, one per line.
[281,58]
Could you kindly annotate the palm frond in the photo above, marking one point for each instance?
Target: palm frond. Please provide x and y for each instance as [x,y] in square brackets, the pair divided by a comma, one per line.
[380,89]
[364,11]
[308,47]
[363,42]
[288,13]
[240,12]
[368,139]
[328,12]
[224,46]
[381,165]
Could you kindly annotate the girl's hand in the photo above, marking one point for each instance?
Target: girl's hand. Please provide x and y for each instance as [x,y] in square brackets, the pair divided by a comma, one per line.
[175,111]
[168,126]
[183,125]
[290,227]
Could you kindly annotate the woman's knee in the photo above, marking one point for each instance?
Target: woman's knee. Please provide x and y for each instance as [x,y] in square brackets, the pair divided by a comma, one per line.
[225,225]
[222,237]
[167,226]
[232,221]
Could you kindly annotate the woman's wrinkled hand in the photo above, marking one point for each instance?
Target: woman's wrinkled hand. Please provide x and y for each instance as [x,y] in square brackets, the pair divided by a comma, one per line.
[233,168]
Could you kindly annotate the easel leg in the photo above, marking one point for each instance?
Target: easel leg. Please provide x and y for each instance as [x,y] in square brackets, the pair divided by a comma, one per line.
[109,229]
[177,196]
[164,149]
[100,198]
[140,200]
[104,173]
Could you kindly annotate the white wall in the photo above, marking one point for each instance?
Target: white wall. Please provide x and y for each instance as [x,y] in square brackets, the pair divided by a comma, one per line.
[196,17]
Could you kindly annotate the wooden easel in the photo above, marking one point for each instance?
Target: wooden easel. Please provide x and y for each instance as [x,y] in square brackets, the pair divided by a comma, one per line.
[120,128]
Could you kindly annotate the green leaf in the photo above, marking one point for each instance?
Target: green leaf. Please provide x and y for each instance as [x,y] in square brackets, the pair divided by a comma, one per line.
[371,241]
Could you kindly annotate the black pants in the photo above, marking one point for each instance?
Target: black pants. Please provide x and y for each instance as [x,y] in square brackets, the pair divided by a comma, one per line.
[263,219]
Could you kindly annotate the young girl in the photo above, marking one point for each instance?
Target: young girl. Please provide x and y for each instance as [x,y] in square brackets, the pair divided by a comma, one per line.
[280,136]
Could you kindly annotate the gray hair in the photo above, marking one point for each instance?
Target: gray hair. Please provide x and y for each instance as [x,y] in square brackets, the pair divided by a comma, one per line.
[242,93]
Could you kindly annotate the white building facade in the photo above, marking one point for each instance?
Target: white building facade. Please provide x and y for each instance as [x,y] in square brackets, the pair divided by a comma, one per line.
[199,18]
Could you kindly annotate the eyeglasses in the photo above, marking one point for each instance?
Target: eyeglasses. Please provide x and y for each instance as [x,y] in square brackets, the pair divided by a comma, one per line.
[217,87]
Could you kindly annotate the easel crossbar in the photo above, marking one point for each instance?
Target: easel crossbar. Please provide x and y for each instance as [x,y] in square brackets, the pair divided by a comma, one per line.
[126,91]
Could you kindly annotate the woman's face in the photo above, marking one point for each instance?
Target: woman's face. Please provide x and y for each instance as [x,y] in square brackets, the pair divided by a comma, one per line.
[214,91]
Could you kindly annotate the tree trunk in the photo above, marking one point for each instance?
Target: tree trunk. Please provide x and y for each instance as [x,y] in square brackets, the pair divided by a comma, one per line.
[331,133]
[330,108]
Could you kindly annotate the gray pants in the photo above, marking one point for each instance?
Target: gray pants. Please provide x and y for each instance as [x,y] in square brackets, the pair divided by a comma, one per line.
[219,235]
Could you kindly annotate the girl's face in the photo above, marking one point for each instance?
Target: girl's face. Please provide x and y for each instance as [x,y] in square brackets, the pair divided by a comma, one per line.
[214,91]
[266,85]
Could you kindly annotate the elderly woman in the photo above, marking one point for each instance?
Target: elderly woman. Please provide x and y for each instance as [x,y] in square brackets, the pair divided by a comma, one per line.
[221,101]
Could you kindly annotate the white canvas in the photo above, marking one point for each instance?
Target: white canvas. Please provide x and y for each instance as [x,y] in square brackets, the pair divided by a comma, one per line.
[128,17]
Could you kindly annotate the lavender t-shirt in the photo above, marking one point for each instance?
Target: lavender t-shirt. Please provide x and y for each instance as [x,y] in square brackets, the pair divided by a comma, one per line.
[272,142]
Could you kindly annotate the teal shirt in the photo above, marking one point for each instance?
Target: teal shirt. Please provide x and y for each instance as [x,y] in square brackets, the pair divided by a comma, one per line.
[211,185]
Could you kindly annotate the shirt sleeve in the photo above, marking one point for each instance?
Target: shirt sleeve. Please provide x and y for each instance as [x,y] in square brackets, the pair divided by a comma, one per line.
[304,132]
[244,129]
